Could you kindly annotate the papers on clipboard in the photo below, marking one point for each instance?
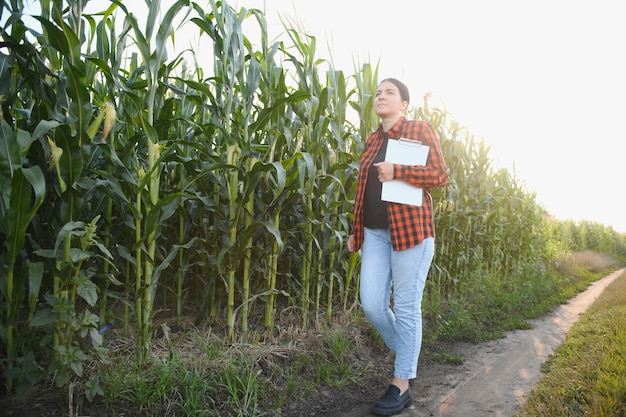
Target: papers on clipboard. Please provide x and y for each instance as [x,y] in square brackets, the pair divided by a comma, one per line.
[405,152]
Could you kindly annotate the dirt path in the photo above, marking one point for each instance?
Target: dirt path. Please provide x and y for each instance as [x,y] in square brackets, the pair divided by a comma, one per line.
[496,375]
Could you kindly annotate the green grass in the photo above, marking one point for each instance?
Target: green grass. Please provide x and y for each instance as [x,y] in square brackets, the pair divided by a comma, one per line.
[587,374]
[488,305]
[195,372]
[296,366]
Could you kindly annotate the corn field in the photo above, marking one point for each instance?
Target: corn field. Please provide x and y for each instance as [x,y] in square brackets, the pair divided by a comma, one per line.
[135,185]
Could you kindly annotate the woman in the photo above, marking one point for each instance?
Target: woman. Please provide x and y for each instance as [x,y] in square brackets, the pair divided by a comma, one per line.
[397,240]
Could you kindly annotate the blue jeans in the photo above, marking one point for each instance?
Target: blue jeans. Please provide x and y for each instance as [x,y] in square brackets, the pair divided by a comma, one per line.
[404,272]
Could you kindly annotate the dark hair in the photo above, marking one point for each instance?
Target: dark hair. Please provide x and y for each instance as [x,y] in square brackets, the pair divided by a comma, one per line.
[404,90]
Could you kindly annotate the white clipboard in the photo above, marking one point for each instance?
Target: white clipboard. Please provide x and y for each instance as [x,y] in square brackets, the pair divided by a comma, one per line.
[404,152]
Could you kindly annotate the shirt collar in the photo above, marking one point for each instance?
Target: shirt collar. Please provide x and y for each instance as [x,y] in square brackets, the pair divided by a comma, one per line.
[395,131]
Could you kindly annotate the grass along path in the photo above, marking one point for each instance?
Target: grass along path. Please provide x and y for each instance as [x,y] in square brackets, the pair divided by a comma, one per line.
[323,371]
[587,374]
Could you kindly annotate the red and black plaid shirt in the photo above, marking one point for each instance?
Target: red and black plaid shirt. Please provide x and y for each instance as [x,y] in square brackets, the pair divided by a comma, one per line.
[408,225]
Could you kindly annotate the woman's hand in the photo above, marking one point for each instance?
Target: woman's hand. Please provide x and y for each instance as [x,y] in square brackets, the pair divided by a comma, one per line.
[351,243]
[385,171]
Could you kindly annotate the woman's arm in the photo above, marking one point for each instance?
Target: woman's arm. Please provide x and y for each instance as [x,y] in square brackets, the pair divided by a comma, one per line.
[432,175]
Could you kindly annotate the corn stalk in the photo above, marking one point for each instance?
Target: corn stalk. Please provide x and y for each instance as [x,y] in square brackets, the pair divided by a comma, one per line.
[151,42]
[22,193]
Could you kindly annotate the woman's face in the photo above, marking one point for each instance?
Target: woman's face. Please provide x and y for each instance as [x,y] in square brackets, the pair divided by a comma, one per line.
[388,101]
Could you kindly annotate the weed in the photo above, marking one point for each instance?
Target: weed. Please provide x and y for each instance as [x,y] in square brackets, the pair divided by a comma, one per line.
[339,343]
[241,381]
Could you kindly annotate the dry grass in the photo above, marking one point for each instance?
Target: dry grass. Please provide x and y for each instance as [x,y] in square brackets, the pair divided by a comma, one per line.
[588,260]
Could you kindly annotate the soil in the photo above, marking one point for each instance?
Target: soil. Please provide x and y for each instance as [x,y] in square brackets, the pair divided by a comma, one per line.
[493,379]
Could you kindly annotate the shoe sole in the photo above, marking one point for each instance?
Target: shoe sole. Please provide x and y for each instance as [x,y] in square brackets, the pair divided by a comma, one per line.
[393,412]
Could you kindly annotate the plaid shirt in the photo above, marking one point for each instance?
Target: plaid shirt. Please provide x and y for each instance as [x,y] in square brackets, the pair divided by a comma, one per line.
[408,225]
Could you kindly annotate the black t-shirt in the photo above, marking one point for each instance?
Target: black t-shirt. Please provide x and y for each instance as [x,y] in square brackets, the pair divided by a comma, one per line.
[375,209]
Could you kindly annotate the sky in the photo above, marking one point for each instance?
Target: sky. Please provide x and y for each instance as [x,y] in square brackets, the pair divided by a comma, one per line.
[542,82]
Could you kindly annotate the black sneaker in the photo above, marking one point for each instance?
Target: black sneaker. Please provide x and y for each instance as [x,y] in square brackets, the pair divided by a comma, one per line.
[392,402]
